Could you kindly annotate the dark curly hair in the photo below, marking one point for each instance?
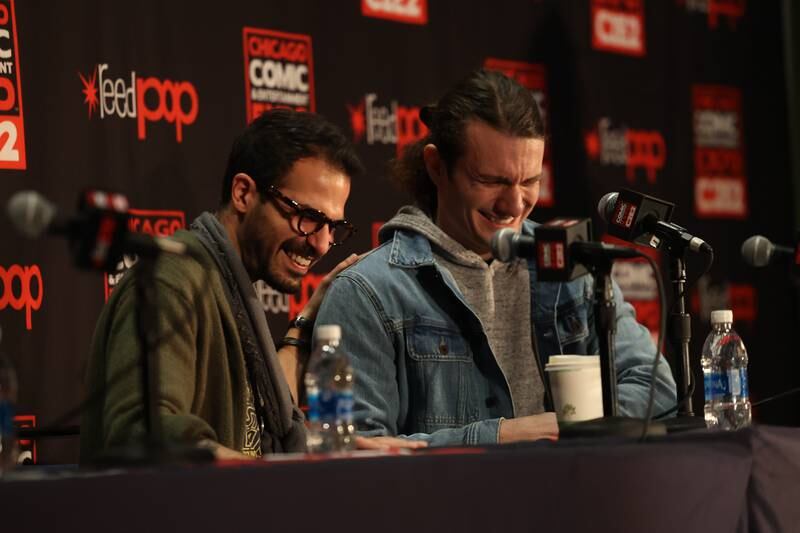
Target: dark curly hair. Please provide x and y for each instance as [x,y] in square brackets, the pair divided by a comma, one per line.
[274,141]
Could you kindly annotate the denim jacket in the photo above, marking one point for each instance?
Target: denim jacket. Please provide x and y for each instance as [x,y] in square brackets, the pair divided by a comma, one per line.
[422,363]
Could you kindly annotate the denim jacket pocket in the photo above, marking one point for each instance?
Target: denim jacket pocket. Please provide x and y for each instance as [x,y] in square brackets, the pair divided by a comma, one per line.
[430,341]
[439,362]
[572,324]
[569,333]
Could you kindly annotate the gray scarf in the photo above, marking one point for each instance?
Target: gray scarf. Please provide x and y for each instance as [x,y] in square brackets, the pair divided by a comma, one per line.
[281,421]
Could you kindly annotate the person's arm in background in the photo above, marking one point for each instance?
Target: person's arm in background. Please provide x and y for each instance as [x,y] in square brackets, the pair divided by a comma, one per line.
[635,353]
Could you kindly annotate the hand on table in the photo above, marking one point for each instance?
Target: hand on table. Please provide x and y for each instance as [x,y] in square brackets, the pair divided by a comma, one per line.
[532,427]
[386,443]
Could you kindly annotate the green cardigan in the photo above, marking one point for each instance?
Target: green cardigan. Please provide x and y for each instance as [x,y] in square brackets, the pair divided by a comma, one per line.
[204,392]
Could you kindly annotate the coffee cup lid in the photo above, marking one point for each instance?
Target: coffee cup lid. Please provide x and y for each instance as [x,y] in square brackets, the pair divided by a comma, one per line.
[562,361]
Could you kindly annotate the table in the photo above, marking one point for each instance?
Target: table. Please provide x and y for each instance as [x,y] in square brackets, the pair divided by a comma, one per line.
[698,481]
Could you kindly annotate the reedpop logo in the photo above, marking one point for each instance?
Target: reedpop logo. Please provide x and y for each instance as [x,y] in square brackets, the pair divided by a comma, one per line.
[275,302]
[22,288]
[631,148]
[145,99]
[385,124]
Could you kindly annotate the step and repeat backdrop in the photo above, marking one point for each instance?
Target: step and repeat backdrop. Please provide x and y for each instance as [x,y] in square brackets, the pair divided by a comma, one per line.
[680,99]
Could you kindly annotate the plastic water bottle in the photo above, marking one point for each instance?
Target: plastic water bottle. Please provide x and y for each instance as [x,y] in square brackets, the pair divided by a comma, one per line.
[329,391]
[728,400]
[733,363]
[710,364]
[8,398]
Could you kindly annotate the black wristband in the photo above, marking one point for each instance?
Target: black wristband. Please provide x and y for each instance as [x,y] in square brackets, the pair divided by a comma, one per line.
[301,344]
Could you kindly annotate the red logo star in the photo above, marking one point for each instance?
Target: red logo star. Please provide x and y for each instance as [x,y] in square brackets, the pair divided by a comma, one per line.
[358,121]
[90,90]
[592,143]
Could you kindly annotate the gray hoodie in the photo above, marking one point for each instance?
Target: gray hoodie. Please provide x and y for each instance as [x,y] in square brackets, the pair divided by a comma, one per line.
[499,295]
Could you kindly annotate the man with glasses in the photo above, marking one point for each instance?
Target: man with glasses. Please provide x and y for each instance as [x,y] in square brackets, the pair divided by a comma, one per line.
[448,344]
[309,221]
[222,382]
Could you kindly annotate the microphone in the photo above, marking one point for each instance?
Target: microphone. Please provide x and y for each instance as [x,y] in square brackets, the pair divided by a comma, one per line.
[98,235]
[561,247]
[31,214]
[758,251]
[636,217]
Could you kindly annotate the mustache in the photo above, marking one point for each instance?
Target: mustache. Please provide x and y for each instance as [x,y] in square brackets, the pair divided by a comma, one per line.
[301,248]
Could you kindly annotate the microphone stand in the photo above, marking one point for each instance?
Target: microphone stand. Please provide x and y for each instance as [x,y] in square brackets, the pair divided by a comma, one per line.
[681,332]
[97,238]
[154,450]
[605,322]
[149,371]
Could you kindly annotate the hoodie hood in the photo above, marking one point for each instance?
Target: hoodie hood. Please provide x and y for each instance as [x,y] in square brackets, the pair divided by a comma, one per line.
[413,219]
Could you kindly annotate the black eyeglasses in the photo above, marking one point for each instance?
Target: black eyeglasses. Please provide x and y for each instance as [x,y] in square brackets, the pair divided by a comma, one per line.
[308,220]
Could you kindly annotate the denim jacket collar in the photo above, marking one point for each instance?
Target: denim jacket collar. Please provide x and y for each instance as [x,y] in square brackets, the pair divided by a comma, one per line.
[412,250]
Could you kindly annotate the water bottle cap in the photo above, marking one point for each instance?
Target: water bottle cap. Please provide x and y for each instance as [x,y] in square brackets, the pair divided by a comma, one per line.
[328,332]
[722,316]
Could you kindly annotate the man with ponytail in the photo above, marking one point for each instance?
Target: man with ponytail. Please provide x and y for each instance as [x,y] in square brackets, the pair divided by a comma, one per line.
[448,345]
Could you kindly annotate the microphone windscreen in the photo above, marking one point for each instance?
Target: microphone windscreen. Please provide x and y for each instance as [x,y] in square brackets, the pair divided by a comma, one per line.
[605,207]
[503,245]
[757,251]
[30,213]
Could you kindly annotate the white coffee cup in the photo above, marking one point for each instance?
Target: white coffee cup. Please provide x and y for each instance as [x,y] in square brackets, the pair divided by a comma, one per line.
[576,386]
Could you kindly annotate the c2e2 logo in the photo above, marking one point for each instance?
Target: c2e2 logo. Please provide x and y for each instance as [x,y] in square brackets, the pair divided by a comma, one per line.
[12,130]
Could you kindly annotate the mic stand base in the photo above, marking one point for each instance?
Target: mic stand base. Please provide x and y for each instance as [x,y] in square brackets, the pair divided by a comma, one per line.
[611,426]
[684,423]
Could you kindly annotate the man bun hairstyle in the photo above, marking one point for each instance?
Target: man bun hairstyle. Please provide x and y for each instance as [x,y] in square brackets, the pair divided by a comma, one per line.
[484,95]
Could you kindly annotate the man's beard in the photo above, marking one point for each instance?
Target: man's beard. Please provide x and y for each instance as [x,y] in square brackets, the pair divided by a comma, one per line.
[286,284]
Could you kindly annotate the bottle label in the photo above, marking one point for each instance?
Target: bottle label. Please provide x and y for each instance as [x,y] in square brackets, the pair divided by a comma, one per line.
[719,385]
[336,406]
[743,381]
[328,399]
[734,382]
[344,407]
[312,396]
[708,386]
